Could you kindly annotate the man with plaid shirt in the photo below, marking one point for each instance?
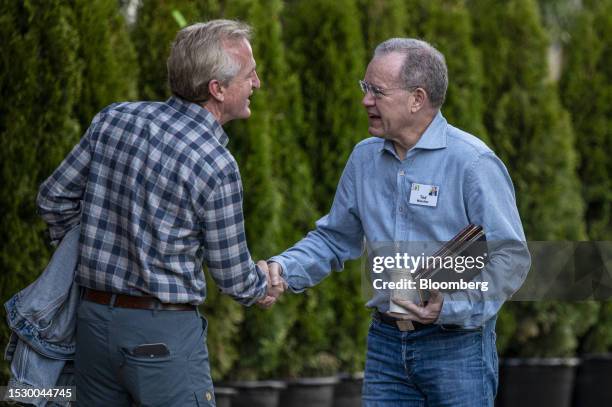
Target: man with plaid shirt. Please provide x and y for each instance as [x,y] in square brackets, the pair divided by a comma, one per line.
[157,194]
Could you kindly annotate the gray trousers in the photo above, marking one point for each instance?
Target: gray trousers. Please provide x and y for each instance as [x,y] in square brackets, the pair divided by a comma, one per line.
[110,371]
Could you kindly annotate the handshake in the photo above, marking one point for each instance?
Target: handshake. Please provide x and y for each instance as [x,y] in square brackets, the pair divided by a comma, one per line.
[276,284]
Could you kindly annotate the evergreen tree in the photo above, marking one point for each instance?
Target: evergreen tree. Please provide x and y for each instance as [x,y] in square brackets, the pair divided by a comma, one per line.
[290,163]
[39,78]
[532,134]
[586,91]
[110,70]
[325,47]
[381,20]
[529,129]
[153,34]
[447,26]
[251,142]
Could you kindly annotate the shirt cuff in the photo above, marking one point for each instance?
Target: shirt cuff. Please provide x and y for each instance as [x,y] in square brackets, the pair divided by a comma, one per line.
[286,273]
[257,293]
[454,312]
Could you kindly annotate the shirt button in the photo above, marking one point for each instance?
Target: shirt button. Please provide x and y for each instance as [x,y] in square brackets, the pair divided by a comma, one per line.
[401,209]
[401,173]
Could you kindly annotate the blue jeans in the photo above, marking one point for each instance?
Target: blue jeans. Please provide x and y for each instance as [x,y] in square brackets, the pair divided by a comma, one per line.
[435,366]
[109,373]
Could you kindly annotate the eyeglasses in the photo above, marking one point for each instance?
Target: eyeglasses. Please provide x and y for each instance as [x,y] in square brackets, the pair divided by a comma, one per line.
[377,92]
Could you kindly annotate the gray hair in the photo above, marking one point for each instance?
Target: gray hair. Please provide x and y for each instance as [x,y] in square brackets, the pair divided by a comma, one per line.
[424,66]
[198,56]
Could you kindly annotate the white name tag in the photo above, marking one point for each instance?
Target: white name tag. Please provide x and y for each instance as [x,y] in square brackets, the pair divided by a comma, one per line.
[421,194]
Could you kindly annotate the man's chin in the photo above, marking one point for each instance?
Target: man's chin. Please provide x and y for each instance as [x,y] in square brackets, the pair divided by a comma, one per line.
[246,114]
[376,131]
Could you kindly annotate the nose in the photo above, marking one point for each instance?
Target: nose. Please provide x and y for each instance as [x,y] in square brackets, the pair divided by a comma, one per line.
[256,81]
[368,100]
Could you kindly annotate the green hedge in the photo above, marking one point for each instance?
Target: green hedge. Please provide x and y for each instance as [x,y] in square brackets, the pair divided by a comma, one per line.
[533,135]
[586,92]
[63,61]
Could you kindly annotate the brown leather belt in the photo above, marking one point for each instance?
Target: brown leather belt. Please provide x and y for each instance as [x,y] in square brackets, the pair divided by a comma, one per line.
[131,301]
[402,325]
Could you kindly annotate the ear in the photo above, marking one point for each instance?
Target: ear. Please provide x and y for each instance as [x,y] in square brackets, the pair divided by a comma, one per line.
[216,90]
[420,99]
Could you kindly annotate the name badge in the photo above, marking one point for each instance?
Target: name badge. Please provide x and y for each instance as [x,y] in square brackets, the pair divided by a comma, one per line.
[426,195]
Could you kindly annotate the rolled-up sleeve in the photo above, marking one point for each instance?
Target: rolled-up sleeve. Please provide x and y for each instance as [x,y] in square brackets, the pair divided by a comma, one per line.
[60,197]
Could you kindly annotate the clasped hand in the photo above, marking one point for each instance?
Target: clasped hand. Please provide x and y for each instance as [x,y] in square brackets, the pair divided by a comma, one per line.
[276,284]
[425,314]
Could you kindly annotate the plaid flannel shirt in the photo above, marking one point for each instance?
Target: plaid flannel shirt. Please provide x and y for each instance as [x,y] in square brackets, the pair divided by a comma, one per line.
[157,194]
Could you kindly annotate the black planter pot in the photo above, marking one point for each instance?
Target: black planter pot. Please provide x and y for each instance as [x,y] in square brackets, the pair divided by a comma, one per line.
[535,382]
[347,392]
[594,381]
[256,393]
[309,392]
[224,396]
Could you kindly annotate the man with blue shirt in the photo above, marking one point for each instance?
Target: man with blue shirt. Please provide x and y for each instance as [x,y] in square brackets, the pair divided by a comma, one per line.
[157,194]
[419,179]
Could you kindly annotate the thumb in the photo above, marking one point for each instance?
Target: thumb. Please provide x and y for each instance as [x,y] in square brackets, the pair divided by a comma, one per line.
[263,266]
[275,271]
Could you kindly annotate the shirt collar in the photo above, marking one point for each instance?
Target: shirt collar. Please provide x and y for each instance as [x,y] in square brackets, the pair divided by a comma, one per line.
[200,115]
[433,138]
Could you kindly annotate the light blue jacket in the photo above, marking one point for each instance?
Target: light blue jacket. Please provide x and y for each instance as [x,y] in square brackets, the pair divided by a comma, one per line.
[42,318]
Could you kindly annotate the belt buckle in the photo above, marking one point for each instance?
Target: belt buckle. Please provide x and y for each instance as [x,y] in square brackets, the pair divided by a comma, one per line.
[404,325]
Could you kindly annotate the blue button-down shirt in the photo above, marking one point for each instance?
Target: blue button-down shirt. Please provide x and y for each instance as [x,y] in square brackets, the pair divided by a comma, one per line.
[373,202]
[157,194]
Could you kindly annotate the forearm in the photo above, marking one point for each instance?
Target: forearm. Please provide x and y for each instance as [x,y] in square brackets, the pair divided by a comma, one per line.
[338,237]
[60,213]
[244,282]
[314,257]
